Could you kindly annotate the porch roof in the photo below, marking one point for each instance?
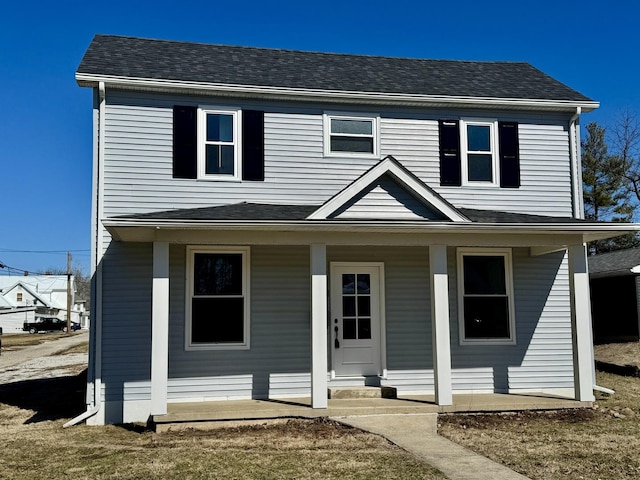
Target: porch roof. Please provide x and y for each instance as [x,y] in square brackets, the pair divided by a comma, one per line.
[279,217]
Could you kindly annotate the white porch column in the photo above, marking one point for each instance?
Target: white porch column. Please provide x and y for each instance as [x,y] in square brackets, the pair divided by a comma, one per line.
[319,363]
[440,324]
[583,363]
[160,328]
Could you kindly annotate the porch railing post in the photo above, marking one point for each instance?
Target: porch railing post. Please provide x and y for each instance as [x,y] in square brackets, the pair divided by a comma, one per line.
[583,363]
[439,281]
[319,361]
[160,329]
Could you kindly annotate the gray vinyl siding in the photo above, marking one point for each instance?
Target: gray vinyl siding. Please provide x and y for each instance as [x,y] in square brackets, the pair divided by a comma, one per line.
[278,362]
[138,158]
[386,199]
[542,357]
[126,322]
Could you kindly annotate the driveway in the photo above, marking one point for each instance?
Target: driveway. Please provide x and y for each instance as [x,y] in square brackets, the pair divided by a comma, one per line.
[43,361]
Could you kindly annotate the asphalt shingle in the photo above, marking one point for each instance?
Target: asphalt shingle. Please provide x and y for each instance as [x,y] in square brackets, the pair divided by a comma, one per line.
[221,64]
[618,261]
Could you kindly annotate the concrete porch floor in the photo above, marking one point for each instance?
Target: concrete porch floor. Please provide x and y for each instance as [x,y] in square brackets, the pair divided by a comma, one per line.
[239,410]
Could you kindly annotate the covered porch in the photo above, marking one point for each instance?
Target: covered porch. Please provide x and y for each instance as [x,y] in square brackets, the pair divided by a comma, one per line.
[338,242]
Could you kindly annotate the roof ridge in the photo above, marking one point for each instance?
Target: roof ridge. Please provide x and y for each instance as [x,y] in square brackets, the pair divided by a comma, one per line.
[318,52]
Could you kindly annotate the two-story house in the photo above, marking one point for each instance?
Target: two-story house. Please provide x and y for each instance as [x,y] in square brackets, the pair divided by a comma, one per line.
[273,223]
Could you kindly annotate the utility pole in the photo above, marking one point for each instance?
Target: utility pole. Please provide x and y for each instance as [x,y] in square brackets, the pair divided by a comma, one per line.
[68,293]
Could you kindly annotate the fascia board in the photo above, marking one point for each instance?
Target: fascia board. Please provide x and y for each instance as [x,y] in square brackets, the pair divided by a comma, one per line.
[592,231]
[339,96]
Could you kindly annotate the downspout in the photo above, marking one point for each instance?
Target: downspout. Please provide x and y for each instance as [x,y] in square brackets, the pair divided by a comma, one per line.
[576,164]
[96,325]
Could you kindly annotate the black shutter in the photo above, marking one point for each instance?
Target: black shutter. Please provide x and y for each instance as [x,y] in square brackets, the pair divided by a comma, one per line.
[185,142]
[252,145]
[509,155]
[450,168]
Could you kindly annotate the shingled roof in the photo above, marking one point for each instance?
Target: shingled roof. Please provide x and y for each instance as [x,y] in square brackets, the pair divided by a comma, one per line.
[246,211]
[619,262]
[139,58]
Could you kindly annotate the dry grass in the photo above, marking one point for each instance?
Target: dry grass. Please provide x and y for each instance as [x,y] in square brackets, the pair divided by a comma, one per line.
[619,353]
[14,340]
[34,446]
[590,444]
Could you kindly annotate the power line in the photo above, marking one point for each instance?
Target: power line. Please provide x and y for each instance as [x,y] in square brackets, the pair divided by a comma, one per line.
[10,269]
[11,250]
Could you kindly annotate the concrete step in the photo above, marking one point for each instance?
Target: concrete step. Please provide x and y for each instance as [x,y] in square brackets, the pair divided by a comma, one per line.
[362,392]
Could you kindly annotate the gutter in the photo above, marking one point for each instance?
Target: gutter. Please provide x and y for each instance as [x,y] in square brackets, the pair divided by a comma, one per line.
[94,407]
[334,96]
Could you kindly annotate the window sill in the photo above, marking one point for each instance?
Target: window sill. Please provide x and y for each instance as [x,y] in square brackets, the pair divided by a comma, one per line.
[374,156]
[488,342]
[216,346]
[220,179]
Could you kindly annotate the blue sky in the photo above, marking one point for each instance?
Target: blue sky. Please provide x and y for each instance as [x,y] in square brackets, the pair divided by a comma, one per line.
[45,118]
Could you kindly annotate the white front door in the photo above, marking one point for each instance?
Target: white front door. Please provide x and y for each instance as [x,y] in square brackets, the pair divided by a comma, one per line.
[355,331]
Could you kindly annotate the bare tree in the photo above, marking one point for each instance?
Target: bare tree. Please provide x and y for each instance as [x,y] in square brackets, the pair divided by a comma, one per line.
[626,143]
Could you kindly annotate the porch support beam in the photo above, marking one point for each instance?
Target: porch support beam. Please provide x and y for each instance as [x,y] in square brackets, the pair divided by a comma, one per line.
[160,328]
[319,360]
[583,362]
[439,277]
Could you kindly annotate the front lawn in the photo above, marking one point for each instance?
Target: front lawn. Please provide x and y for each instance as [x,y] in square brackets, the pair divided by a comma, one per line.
[590,444]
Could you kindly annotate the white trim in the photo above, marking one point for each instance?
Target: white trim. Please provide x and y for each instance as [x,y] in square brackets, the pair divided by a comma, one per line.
[341,96]
[246,262]
[508,267]
[319,316]
[583,363]
[160,328]
[236,113]
[375,133]
[382,347]
[440,330]
[492,123]
[385,166]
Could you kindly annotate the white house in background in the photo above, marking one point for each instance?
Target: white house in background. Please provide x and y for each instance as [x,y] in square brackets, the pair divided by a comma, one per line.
[273,223]
[12,317]
[34,296]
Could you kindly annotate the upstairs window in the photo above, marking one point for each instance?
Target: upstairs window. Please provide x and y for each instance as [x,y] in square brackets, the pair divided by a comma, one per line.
[479,152]
[350,135]
[213,143]
[218,144]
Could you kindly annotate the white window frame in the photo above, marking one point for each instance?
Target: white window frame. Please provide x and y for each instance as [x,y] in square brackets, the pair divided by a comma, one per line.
[246,259]
[464,152]
[203,111]
[375,134]
[506,253]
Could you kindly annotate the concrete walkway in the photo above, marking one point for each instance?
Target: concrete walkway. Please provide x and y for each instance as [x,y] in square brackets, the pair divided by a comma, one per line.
[11,358]
[418,435]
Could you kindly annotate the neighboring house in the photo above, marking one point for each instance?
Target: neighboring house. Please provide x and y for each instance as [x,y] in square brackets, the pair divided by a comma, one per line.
[42,295]
[271,223]
[12,317]
[615,299]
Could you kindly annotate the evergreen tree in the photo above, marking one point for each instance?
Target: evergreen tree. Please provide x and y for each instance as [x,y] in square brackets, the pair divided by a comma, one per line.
[605,193]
